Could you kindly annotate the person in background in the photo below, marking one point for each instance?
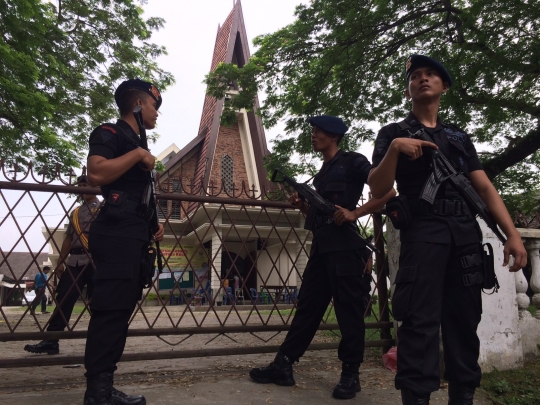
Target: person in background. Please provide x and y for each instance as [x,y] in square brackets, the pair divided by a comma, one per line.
[80,269]
[40,287]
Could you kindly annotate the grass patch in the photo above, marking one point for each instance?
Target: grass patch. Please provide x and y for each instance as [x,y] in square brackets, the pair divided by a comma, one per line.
[284,312]
[514,387]
[532,309]
[371,334]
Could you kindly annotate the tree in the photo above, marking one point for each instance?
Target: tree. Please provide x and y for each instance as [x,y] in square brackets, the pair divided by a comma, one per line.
[347,58]
[60,63]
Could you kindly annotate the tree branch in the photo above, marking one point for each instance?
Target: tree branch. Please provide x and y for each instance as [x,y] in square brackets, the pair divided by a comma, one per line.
[510,104]
[512,155]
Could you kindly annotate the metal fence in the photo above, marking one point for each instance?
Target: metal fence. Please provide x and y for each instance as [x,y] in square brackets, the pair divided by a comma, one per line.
[233,265]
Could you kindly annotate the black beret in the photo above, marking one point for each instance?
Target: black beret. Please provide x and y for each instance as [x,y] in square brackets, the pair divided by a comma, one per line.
[417,61]
[82,179]
[138,84]
[330,124]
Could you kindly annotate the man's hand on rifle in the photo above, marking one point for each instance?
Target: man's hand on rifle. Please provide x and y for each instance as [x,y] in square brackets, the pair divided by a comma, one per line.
[158,236]
[343,215]
[147,161]
[297,201]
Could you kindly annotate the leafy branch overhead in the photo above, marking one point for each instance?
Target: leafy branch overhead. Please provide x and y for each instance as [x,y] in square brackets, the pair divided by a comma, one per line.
[347,58]
[60,62]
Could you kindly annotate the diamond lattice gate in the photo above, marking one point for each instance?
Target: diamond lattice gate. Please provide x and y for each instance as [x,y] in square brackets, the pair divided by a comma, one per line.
[233,264]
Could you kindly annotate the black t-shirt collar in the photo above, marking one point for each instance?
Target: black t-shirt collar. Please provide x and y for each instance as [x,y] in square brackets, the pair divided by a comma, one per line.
[415,123]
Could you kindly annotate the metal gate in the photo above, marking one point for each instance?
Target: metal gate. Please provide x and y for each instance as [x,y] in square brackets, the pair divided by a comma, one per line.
[233,264]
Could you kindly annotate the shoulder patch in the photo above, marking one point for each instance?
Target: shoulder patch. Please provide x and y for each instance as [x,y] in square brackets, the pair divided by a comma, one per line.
[110,129]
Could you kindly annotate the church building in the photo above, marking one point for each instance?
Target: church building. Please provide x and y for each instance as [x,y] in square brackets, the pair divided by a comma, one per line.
[224,161]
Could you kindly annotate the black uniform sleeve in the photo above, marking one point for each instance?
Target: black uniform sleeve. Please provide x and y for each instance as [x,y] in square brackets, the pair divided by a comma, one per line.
[382,143]
[473,162]
[360,168]
[104,141]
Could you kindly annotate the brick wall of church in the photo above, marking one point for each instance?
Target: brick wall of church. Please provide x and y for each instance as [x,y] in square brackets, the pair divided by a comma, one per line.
[229,143]
[186,173]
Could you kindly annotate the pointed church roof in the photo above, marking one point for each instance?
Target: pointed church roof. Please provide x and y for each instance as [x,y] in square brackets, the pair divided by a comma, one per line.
[231,47]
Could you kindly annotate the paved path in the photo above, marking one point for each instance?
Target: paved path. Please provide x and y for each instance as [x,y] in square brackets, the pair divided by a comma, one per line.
[205,381]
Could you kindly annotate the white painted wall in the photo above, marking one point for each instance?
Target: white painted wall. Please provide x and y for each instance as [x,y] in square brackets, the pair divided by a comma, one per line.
[271,263]
[499,332]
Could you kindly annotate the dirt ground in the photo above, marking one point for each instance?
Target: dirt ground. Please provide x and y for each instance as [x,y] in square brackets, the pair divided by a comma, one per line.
[208,380]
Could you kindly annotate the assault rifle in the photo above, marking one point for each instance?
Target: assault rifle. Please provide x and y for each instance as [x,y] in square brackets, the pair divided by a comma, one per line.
[313,198]
[148,206]
[443,170]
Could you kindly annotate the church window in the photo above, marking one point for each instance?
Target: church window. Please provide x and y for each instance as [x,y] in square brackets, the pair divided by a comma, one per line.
[227,172]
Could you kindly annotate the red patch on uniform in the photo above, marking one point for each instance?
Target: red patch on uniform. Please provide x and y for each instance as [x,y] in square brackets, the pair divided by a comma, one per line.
[395,215]
[115,197]
[109,129]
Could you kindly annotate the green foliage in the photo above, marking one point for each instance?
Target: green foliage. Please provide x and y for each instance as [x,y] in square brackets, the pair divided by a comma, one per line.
[514,387]
[60,63]
[154,296]
[347,58]
[159,167]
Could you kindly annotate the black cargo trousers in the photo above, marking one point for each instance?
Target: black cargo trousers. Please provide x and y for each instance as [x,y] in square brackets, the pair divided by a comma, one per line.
[431,293]
[69,290]
[117,288]
[338,275]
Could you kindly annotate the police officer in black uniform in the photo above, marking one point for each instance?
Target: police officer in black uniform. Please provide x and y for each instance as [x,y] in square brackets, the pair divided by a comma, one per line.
[336,265]
[118,237]
[438,283]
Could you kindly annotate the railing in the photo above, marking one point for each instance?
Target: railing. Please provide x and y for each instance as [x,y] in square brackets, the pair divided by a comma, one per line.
[233,264]
[531,239]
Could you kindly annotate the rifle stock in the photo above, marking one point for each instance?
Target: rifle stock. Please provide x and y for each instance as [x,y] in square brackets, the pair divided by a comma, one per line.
[314,199]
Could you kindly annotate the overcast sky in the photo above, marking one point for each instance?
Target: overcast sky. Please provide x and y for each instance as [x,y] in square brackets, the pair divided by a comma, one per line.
[189,36]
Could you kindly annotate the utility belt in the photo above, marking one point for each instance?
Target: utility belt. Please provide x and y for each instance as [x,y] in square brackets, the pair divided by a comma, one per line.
[118,205]
[77,251]
[452,208]
[322,221]
[401,209]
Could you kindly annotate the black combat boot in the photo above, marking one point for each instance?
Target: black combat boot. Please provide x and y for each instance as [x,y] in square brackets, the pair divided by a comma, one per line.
[278,372]
[409,397]
[119,398]
[349,383]
[45,346]
[459,394]
[99,390]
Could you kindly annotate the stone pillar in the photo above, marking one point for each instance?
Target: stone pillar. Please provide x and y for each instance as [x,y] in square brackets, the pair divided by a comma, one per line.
[533,248]
[521,297]
[216,250]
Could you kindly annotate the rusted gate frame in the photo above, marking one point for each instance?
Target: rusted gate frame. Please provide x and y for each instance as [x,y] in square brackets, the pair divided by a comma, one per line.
[384,325]
[38,361]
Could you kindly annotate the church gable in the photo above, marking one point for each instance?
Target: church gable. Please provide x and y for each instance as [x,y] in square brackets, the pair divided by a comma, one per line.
[218,152]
